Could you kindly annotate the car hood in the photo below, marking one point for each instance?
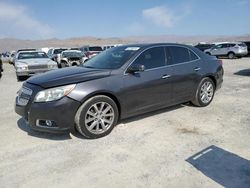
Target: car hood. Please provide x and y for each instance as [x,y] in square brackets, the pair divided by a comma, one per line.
[66,76]
[35,61]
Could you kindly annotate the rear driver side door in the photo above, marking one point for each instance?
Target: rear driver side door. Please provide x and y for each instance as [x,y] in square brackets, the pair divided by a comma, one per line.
[185,74]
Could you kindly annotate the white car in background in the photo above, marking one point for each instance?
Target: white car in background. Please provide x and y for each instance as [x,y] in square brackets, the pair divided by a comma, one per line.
[72,58]
[28,63]
[229,49]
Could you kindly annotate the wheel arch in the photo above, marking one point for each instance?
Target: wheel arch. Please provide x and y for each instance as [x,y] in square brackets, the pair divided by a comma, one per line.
[108,94]
[212,77]
[231,52]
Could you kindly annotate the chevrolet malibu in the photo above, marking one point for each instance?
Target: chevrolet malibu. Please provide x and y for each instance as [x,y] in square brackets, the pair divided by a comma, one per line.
[118,83]
[28,63]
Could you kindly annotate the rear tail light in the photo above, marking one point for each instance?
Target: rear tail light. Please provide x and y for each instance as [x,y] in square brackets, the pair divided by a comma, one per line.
[89,54]
[220,61]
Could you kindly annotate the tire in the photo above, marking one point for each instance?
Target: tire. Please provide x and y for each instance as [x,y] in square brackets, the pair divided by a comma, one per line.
[20,78]
[201,95]
[231,55]
[90,122]
[63,65]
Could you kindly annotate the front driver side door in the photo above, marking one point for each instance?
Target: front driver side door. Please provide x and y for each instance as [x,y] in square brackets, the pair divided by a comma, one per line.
[150,89]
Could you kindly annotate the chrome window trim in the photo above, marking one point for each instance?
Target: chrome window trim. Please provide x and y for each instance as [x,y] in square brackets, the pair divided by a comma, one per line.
[124,73]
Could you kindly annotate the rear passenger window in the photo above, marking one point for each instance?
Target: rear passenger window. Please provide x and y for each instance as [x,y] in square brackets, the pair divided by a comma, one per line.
[192,56]
[225,45]
[152,58]
[181,55]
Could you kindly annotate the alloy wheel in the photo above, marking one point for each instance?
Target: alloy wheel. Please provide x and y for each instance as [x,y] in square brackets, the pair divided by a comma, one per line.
[206,92]
[99,117]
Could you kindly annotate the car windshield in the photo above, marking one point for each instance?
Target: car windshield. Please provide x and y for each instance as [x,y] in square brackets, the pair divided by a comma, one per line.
[95,48]
[58,51]
[32,55]
[113,58]
[242,45]
[72,54]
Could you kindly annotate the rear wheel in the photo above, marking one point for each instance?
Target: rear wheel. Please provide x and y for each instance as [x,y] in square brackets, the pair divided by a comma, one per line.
[231,55]
[96,117]
[205,93]
[63,64]
[21,78]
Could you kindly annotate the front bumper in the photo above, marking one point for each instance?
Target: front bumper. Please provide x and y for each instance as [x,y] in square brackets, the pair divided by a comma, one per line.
[219,78]
[31,72]
[61,113]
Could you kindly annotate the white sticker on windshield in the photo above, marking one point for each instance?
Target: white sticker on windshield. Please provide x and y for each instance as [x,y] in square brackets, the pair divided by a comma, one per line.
[132,48]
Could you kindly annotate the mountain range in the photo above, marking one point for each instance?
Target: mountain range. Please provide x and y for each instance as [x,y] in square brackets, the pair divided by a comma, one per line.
[9,44]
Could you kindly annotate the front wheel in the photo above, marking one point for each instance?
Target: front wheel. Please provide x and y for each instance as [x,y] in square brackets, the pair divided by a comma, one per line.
[205,93]
[96,117]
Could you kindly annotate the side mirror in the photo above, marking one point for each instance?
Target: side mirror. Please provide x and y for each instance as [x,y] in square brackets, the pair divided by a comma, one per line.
[136,68]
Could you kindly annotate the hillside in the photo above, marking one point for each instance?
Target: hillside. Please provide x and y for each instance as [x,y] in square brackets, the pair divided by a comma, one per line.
[8,44]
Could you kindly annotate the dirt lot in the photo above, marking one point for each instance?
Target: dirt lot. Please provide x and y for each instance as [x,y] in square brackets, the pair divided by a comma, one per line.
[153,150]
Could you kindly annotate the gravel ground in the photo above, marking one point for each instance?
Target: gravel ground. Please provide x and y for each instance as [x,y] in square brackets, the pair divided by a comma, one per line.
[181,146]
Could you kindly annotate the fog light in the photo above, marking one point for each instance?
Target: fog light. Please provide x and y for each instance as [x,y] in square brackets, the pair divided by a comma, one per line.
[49,123]
[45,123]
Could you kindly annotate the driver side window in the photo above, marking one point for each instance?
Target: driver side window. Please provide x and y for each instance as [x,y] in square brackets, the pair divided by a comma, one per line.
[152,58]
[218,46]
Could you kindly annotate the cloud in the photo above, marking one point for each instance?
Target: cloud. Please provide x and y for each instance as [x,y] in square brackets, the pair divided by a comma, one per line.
[160,15]
[16,22]
[163,16]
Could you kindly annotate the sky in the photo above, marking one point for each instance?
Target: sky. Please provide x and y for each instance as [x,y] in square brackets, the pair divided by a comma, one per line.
[44,19]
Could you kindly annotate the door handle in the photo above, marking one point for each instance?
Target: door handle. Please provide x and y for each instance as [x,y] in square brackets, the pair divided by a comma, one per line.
[166,76]
[197,68]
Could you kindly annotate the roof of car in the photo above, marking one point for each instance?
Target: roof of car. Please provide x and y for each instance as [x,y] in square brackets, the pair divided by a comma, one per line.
[72,51]
[39,51]
[145,45]
[228,43]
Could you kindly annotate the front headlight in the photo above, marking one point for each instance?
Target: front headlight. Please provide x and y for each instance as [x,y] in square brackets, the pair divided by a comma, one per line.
[21,67]
[52,66]
[53,93]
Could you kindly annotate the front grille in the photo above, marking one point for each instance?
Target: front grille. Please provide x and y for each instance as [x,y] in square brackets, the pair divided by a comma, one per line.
[74,59]
[30,67]
[24,95]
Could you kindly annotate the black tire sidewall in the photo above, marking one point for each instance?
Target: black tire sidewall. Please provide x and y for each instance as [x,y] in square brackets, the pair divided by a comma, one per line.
[198,98]
[81,123]
[232,56]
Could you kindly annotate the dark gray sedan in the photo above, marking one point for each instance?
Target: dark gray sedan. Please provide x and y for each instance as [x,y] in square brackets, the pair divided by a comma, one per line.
[118,83]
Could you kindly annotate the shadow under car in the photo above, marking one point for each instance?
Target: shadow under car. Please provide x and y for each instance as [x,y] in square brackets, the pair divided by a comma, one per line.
[244,72]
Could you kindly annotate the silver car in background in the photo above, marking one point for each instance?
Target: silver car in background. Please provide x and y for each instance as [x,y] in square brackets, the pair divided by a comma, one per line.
[229,49]
[29,63]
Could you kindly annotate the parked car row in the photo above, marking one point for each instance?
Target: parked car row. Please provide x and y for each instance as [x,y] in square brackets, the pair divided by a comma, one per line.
[226,49]
[28,62]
